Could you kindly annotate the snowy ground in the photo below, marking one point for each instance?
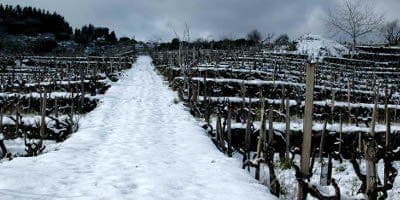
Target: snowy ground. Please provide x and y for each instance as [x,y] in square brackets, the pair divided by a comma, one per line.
[317,46]
[137,144]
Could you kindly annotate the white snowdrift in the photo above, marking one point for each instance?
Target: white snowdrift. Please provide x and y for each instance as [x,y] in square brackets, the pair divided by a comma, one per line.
[137,144]
[316,46]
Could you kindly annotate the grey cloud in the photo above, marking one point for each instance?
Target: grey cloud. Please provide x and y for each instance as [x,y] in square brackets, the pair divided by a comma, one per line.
[153,19]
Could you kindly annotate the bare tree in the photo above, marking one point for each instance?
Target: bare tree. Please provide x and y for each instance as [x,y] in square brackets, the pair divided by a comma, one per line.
[268,38]
[282,40]
[354,18]
[254,36]
[391,32]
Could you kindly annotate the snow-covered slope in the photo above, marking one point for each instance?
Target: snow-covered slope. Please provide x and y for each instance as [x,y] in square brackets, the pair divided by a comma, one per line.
[137,145]
[317,46]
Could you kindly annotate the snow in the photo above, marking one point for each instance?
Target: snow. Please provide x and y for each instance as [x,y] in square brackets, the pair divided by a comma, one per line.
[17,146]
[138,144]
[246,100]
[31,120]
[258,82]
[52,95]
[297,125]
[317,46]
[292,102]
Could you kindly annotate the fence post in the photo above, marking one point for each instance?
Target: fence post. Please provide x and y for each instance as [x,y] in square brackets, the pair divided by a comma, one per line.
[288,132]
[370,152]
[307,132]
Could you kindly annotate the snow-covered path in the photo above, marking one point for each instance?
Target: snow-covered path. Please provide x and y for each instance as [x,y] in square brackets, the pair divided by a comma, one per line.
[137,144]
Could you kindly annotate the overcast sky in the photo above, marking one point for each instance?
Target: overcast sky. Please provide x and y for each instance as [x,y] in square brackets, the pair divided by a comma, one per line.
[212,19]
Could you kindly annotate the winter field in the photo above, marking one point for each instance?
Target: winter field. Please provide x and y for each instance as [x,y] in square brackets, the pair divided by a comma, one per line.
[113,128]
[199,100]
[138,144]
[254,104]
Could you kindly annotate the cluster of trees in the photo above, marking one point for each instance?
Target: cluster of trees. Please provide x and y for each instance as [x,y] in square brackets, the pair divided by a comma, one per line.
[127,40]
[32,21]
[253,39]
[391,32]
[27,45]
[205,44]
[16,20]
[90,33]
[47,29]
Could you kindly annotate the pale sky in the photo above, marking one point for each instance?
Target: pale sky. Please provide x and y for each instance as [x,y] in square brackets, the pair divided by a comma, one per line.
[208,19]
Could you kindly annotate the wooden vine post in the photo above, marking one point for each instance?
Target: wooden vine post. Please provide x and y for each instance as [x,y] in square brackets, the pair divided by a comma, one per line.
[370,152]
[219,132]
[387,136]
[270,126]
[2,146]
[288,132]
[307,132]
[249,123]
[205,99]
[261,139]
[283,96]
[229,131]
[324,178]
[82,76]
[17,117]
[340,133]
[387,120]
[42,131]
[349,100]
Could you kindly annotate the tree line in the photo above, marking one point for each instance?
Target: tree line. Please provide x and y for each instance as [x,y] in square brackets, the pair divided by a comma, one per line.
[31,21]
[253,39]
[89,33]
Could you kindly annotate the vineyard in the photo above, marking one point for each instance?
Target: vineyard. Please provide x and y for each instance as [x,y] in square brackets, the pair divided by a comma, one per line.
[330,126]
[200,100]
[43,98]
